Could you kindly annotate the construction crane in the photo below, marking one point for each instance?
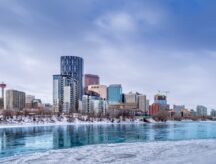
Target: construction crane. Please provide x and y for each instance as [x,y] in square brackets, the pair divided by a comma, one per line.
[163,92]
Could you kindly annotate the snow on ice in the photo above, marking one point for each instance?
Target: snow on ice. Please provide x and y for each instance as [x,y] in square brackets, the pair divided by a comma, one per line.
[165,152]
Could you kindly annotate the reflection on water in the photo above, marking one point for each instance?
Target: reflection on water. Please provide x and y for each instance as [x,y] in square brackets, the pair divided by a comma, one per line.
[34,139]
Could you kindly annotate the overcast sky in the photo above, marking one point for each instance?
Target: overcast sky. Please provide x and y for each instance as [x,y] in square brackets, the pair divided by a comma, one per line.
[145,45]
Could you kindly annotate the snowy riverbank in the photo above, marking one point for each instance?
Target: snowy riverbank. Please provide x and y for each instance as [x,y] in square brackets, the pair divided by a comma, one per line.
[17,122]
[29,121]
[167,152]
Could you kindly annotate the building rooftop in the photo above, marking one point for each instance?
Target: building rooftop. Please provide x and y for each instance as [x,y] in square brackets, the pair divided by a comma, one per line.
[115,85]
[91,75]
[71,57]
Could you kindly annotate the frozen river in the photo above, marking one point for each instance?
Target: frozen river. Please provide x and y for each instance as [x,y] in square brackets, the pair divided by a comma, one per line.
[135,142]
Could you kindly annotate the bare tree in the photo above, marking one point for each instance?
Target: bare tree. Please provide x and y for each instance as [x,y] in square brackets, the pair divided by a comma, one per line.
[162,115]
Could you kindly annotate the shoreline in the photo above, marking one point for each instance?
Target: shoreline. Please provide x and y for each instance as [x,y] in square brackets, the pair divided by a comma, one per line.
[78,123]
[25,125]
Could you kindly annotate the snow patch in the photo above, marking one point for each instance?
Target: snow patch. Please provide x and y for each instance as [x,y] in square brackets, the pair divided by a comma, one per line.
[166,152]
[28,121]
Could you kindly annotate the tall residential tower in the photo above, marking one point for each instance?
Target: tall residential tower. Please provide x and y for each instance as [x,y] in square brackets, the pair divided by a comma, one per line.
[68,86]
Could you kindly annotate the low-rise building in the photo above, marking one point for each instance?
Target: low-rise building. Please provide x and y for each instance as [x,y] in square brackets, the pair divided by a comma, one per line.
[155,108]
[93,104]
[213,113]
[1,103]
[29,98]
[178,108]
[193,112]
[100,89]
[201,110]
[123,106]
[185,113]
[37,104]
[29,101]
[15,100]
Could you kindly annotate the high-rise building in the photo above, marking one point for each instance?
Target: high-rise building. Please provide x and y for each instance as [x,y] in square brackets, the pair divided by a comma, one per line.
[68,86]
[201,110]
[142,103]
[72,66]
[65,94]
[131,98]
[70,96]
[15,100]
[115,94]
[86,106]
[57,93]
[178,108]
[99,89]
[160,99]
[160,104]
[90,79]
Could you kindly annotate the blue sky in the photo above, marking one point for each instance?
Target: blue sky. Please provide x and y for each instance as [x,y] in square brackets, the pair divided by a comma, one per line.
[146,45]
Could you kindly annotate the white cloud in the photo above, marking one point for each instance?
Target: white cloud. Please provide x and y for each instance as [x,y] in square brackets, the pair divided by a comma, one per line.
[151,17]
[119,22]
[111,48]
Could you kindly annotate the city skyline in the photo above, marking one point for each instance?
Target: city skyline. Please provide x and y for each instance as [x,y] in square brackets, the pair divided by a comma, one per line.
[126,44]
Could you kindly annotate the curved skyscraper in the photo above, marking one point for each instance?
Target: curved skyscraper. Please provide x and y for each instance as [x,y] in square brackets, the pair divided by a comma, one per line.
[72,66]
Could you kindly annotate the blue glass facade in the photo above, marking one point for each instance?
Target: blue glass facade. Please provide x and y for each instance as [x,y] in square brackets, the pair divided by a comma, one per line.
[58,79]
[73,66]
[57,92]
[160,99]
[115,94]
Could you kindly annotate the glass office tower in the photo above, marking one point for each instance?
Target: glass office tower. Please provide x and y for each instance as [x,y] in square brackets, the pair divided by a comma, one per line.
[72,66]
[115,94]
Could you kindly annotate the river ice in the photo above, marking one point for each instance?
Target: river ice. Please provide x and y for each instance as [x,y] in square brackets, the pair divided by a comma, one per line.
[163,152]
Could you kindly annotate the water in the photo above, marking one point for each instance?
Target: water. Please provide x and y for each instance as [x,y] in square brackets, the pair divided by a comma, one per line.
[16,141]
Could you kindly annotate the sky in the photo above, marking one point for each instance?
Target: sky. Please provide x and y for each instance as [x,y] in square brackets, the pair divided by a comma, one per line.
[145,45]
